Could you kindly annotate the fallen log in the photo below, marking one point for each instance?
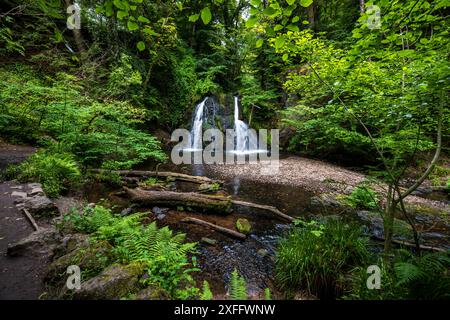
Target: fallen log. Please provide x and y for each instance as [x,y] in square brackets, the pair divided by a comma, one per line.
[273,210]
[223,230]
[186,199]
[174,175]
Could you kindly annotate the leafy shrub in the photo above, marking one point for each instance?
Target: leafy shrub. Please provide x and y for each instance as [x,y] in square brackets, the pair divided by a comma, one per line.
[408,277]
[315,257]
[56,172]
[363,197]
[164,255]
[426,277]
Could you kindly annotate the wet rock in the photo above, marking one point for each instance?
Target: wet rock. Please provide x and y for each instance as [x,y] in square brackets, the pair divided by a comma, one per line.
[209,241]
[20,195]
[158,210]
[152,293]
[126,212]
[41,243]
[329,203]
[263,253]
[243,226]
[161,217]
[34,185]
[41,206]
[113,283]
[72,242]
[36,192]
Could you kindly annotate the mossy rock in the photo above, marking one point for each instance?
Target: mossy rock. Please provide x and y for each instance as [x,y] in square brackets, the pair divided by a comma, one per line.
[91,257]
[244,226]
[113,283]
[152,292]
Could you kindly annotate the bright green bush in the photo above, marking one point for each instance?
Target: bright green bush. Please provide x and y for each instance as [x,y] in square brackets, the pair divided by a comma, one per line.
[165,255]
[316,256]
[56,172]
[363,197]
[238,286]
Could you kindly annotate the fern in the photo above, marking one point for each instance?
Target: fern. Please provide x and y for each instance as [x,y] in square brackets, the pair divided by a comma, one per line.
[206,294]
[238,286]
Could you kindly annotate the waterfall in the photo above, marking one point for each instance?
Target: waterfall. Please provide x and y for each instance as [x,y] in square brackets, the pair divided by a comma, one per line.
[246,140]
[197,126]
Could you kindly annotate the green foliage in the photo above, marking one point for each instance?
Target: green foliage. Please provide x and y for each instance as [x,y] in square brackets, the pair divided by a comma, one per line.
[363,197]
[165,255]
[408,277]
[206,292]
[425,277]
[54,112]
[56,172]
[238,286]
[316,257]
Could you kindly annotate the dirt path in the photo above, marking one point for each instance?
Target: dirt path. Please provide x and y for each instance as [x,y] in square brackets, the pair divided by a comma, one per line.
[20,277]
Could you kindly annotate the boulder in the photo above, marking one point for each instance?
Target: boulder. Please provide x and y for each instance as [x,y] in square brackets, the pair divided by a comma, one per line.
[90,257]
[41,243]
[36,192]
[113,283]
[329,203]
[41,206]
[243,226]
[19,194]
[152,293]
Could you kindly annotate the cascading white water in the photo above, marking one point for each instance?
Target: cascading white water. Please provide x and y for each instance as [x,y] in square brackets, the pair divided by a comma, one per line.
[246,140]
[197,127]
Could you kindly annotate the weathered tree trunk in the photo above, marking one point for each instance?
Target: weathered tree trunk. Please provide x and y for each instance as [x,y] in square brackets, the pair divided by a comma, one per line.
[223,230]
[217,204]
[146,174]
[273,210]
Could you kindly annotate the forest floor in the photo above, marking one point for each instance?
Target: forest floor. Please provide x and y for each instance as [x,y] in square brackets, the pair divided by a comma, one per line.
[20,277]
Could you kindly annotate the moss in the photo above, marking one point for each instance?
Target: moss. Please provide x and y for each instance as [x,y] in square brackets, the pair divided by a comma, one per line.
[243,226]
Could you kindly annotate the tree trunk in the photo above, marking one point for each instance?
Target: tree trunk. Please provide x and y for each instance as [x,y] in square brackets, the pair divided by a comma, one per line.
[207,203]
[223,230]
[156,174]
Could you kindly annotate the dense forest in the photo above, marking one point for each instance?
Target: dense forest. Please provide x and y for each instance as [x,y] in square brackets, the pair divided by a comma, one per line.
[91,92]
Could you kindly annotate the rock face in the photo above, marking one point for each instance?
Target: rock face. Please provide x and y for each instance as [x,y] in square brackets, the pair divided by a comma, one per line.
[40,206]
[243,226]
[113,283]
[41,243]
[152,293]
[329,203]
[88,256]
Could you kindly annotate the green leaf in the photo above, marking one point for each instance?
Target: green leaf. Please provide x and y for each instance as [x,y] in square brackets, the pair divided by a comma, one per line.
[143,19]
[206,15]
[121,14]
[251,22]
[119,4]
[132,25]
[194,18]
[290,2]
[279,42]
[306,3]
[141,46]
[259,43]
